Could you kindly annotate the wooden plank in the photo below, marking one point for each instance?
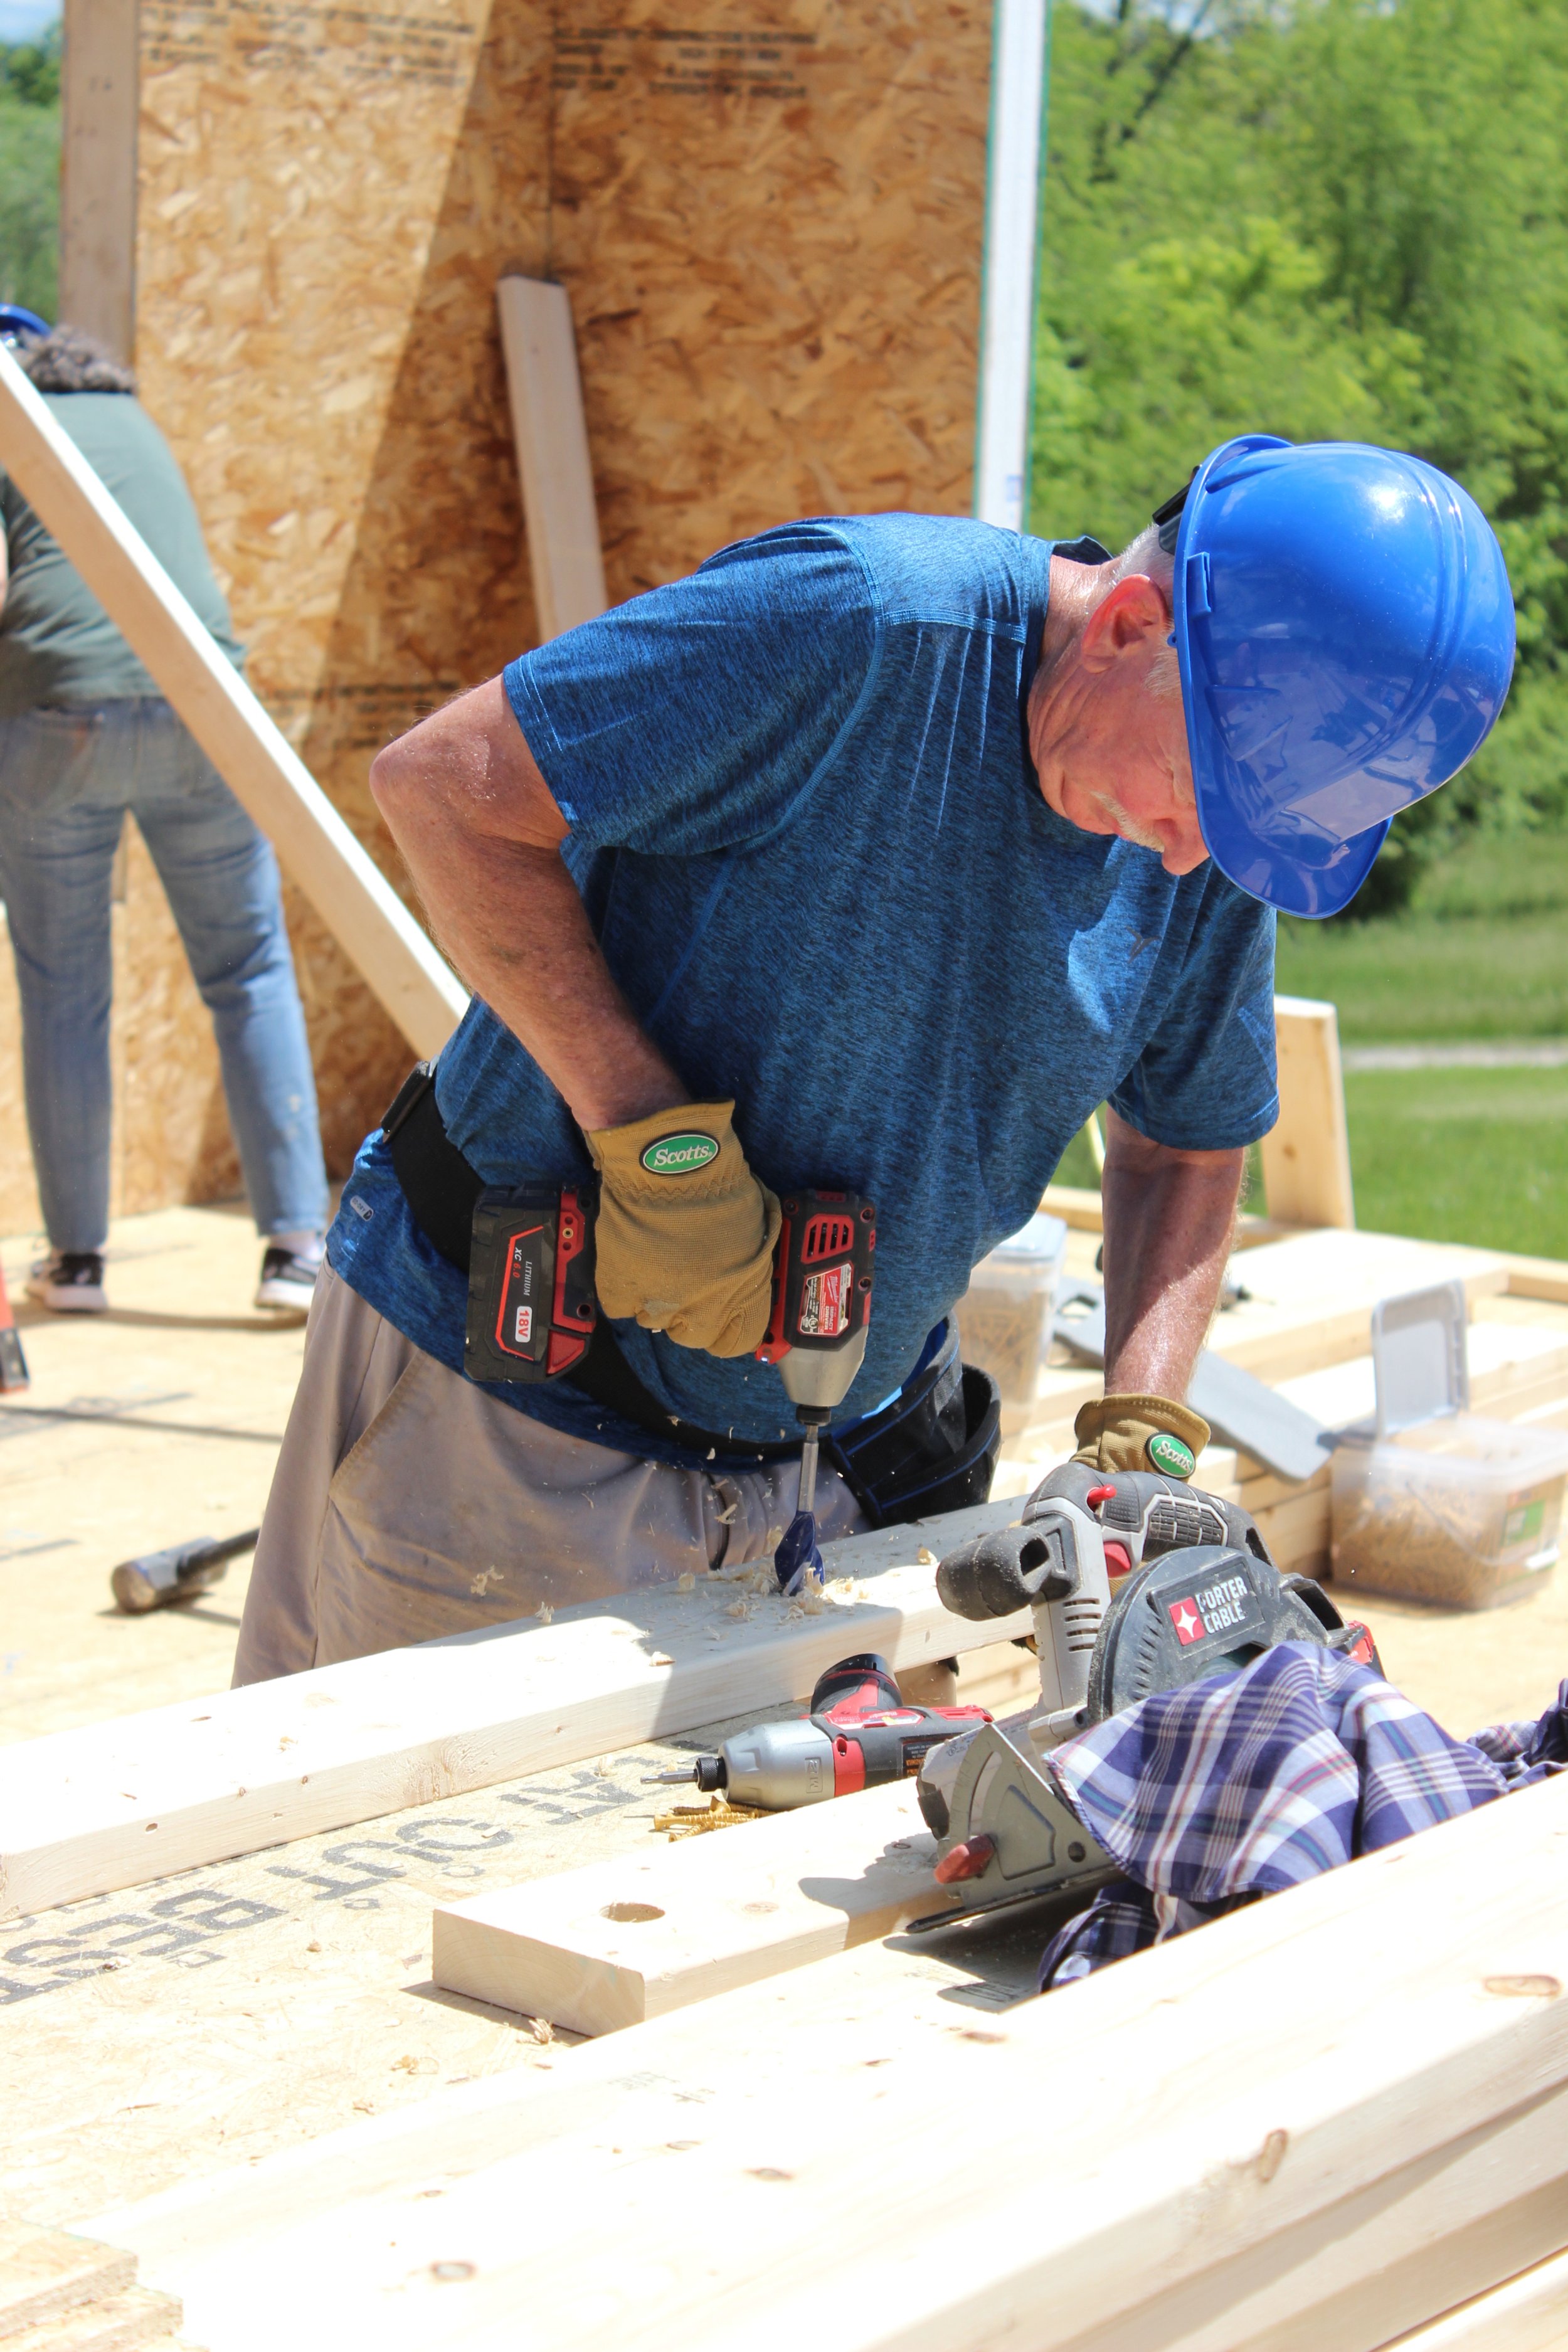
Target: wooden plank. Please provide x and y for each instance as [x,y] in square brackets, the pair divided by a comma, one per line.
[622,1941]
[46,2271]
[1389,2154]
[1306,1154]
[553,460]
[1527,2313]
[1076,1204]
[1538,1277]
[97,171]
[122,2324]
[116,1804]
[1080,1206]
[345,885]
[1298,1531]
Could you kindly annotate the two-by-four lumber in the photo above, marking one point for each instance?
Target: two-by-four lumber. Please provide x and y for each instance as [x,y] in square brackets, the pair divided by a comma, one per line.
[622,1941]
[342,882]
[1306,1154]
[1193,2151]
[1527,2313]
[46,2271]
[115,1804]
[61,2292]
[100,77]
[550,436]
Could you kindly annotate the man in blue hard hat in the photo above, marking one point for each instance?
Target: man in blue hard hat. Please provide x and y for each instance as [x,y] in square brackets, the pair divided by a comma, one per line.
[878,853]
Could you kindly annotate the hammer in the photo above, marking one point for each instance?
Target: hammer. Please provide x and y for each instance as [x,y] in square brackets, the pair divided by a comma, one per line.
[161,1579]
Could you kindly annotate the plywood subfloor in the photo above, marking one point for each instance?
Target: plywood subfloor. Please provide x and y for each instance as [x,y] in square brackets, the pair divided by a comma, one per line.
[158,1422]
[215,2017]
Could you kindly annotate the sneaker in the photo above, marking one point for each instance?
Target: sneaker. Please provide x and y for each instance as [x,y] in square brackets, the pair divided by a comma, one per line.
[69,1282]
[287,1280]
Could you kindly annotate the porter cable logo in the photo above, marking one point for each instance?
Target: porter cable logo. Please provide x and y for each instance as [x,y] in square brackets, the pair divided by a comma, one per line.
[678,1155]
[1224,1608]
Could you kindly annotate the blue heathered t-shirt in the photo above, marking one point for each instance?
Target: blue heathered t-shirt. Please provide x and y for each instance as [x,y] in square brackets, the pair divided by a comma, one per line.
[812,846]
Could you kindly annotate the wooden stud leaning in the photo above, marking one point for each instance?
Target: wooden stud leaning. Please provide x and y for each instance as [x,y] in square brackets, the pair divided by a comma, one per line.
[551,439]
[1307,1155]
[343,883]
[97,171]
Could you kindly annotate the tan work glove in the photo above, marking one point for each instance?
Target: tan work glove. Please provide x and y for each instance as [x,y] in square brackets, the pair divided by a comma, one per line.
[686,1233]
[1139,1432]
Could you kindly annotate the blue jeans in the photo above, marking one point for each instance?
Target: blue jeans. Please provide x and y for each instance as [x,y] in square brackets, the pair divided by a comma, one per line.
[67,778]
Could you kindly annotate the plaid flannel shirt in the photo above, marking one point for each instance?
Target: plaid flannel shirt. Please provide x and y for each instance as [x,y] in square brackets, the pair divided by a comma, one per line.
[1230,1788]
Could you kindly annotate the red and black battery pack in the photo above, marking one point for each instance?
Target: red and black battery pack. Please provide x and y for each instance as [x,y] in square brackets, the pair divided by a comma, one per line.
[531,1309]
[822,1272]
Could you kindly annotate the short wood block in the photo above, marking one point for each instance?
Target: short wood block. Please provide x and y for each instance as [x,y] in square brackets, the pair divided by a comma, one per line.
[622,1941]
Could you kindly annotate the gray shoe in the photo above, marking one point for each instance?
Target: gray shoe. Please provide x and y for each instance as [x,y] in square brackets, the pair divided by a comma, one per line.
[288,1281]
[69,1282]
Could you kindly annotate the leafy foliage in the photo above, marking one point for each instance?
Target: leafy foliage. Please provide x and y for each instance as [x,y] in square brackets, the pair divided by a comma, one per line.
[1341,218]
[30,170]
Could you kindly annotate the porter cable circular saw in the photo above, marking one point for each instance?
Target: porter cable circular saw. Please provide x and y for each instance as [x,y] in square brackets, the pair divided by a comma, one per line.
[1197,1594]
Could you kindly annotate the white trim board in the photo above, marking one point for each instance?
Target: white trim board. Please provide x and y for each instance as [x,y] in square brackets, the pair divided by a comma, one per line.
[341,880]
[116,1804]
[1194,2151]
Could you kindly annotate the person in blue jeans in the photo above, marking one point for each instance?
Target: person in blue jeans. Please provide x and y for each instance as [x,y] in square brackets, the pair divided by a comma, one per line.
[85,735]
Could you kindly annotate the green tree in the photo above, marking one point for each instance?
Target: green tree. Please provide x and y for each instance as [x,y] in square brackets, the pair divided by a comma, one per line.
[30,171]
[1341,218]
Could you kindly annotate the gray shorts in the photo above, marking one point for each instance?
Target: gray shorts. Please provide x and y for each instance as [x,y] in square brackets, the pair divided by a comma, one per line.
[407,1503]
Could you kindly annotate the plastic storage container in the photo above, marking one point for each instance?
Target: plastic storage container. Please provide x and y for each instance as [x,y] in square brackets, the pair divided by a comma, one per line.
[1004,1316]
[1459,1510]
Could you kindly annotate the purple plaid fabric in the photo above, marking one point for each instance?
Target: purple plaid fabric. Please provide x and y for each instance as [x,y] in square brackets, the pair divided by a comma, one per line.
[1213,1795]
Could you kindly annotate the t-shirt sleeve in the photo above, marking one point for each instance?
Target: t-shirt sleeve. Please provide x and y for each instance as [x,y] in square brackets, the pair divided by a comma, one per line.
[1206,1081]
[696,717]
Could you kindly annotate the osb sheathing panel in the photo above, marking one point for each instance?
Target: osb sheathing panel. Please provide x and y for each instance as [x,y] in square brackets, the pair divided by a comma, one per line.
[770,222]
[769,216]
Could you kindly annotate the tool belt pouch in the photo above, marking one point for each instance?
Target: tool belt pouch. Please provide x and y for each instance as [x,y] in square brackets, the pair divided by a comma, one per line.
[934,1448]
[531,1283]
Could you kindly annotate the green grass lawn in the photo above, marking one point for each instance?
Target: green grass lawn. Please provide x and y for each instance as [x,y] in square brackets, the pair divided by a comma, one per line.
[1475,1156]
[1478,1156]
[1483,952]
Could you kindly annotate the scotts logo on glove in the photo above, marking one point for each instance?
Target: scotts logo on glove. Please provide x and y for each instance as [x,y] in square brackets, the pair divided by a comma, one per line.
[679,1155]
[1168,1454]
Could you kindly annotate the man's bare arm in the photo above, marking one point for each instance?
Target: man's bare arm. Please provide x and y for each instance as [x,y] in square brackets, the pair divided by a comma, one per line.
[480,835]
[1170,1217]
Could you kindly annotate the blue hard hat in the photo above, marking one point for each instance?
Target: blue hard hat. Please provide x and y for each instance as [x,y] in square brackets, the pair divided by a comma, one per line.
[1345,626]
[15,321]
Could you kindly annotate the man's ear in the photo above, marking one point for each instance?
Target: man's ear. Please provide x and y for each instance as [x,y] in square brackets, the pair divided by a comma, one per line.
[1135,618]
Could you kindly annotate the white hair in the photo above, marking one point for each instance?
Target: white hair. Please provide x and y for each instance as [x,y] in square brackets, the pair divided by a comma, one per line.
[1144,555]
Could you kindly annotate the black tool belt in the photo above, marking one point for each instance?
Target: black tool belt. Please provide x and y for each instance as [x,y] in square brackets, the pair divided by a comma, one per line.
[932,1448]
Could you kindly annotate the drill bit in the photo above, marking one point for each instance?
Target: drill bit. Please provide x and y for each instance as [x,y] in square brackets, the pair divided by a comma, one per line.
[797,1562]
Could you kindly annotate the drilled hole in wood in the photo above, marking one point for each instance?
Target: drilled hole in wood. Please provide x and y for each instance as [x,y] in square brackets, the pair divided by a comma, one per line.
[627,1915]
